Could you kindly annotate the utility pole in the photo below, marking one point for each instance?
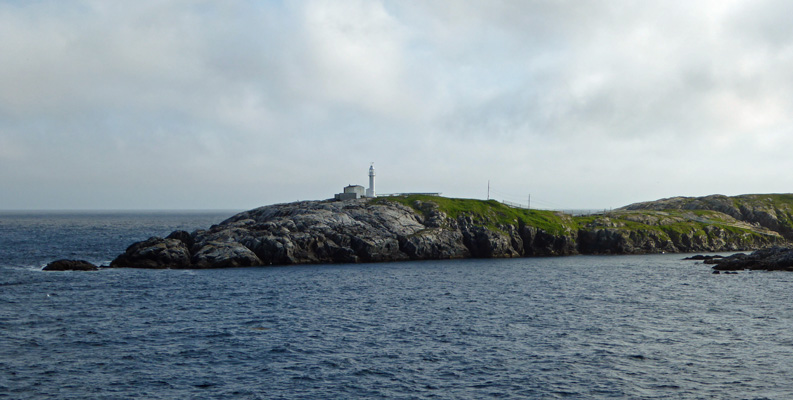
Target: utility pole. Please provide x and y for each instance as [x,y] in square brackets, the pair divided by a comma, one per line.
[488,189]
[529,202]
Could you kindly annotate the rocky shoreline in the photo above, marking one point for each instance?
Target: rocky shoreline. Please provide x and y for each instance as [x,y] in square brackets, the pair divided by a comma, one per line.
[771,259]
[381,230]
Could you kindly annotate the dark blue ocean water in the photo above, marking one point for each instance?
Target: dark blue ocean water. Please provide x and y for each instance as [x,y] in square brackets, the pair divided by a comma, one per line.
[624,327]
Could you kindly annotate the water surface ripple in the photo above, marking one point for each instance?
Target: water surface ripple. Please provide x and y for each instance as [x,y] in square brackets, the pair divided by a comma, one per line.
[643,327]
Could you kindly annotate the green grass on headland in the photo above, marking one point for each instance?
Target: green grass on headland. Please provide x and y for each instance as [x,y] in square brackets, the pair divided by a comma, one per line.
[491,213]
[668,223]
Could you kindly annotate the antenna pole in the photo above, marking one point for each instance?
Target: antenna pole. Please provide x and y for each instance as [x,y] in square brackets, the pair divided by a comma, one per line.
[488,189]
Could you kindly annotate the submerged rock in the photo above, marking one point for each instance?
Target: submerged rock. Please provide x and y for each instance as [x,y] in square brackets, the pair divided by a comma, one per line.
[70,265]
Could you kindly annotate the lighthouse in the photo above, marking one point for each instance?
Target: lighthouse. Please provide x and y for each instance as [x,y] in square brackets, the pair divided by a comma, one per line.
[370,192]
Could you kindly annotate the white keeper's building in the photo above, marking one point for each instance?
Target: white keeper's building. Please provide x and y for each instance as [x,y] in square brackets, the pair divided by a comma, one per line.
[357,191]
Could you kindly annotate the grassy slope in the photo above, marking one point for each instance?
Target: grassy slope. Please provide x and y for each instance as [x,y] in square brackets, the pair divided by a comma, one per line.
[491,213]
[780,205]
[667,223]
[773,211]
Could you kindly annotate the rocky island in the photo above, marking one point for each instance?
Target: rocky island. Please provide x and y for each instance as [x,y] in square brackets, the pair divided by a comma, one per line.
[422,227]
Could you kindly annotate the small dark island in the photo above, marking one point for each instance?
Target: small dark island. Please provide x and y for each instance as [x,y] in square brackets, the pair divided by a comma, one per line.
[425,227]
[70,265]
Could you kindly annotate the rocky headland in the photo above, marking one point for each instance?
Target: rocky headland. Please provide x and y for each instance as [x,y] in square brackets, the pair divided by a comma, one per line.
[428,227]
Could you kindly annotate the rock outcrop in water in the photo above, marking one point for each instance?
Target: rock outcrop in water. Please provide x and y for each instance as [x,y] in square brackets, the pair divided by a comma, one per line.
[425,227]
[70,265]
[771,259]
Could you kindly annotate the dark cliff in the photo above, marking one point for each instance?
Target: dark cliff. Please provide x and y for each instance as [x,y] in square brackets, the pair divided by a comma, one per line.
[426,227]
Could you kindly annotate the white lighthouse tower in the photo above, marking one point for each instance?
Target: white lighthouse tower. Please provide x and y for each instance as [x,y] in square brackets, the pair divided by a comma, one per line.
[370,191]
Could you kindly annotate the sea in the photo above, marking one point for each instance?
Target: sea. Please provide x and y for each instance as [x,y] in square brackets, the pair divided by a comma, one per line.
[578,327]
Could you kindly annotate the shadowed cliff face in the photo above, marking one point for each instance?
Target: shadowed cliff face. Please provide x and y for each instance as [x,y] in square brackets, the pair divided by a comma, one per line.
[366,230]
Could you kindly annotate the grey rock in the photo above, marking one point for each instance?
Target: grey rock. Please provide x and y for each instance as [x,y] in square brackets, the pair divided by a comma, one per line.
[185,237]
[156,253]
[434,244]
[537,242]
[224,255]
[321,232]
[485,243]
[770,259]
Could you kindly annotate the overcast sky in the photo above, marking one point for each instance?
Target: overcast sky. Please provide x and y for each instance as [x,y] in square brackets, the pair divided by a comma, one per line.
[237,104]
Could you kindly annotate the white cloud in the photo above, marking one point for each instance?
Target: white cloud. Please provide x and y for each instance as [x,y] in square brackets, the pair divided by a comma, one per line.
[355,52]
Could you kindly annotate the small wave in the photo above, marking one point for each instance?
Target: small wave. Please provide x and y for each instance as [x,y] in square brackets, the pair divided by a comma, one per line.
[280,350]
[367,371]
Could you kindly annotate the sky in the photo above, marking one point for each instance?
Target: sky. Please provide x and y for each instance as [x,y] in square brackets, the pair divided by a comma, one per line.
[585,104]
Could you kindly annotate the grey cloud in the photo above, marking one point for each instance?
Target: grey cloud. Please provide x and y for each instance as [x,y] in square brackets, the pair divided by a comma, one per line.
[252,97]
